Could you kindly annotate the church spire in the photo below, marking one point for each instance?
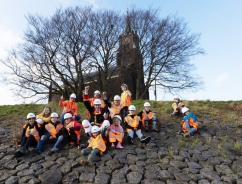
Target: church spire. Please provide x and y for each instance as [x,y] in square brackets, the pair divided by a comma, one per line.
[127,27]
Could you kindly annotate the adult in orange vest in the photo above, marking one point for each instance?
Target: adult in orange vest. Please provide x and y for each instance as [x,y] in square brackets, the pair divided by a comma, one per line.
[70,106]
[30,135]
[97,113]
[125,99]
[96,145]
[53,133]
[133,125]
[116,132]
[189,122]
[176,107]
[148,118]
[73,128]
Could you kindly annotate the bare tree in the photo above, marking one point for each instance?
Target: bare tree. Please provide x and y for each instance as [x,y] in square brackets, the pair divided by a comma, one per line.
[49,62]
[106,26]
[76,45]
[166,45]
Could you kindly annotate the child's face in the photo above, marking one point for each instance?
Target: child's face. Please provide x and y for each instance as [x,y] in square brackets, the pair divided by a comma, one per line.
[31,121]
[47,111]
[97,107]
[147,108]
[67,120]
[95,134]
[123,88]
[116,121]
[54,119]
[176,99]
[131,112]
[116,102]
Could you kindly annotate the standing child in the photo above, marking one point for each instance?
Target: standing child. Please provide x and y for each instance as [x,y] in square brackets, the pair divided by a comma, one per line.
[125,99]
[134,125]
[116,132]
[30,135]
[189,122]
[96,145]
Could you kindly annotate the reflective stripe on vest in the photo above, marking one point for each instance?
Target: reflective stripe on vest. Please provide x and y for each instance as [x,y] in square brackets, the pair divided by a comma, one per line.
[51,129]
[97,142]
[133,122]
[115,137]
[32,131]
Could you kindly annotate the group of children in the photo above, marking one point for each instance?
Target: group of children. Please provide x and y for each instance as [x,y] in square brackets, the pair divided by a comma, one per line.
[107,124]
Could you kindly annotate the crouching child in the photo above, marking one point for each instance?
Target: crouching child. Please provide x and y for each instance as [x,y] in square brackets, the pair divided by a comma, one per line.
[96,145]
[189,122]
[116,132]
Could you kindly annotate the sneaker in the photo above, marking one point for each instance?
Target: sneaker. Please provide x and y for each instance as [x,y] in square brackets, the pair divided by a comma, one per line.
[145,139]
[83,162]
[130,140]
[90,164]
[54,150]
[186,134]
[112,145]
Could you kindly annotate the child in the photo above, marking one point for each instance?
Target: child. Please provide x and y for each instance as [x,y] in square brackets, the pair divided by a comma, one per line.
[87,127]
[70,106]
[97,113]
[96,145]
[189,122]
[53,132]
[125,99]
[176,107]
[148,117]
[73,128]
[134,125]
[45,115]
[30,135]
[116,132]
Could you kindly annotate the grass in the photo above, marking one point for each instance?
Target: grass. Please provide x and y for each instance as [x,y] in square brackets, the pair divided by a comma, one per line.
[230,112]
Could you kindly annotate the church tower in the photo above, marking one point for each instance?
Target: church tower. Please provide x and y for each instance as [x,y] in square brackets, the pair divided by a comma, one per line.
[129,61]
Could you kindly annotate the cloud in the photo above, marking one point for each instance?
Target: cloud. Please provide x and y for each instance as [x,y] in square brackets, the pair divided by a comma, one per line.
[222,78]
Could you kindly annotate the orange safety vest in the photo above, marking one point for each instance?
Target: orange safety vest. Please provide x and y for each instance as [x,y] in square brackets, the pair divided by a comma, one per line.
[150,115]
[69,107]
[115,137]
[91,101]
[174,106]
[191,123]
[125,98]
[52,130]
[116,109]
[32,131]
[133,122]
[97,142]
[78,132]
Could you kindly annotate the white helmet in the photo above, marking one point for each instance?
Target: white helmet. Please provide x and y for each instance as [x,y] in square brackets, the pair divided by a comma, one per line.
[146,104]
[184,110]
[117,116]
[30,115]
[106,123]
[54,115]
[95,128]
[97,102]
[176,98]
[125,85]
[67,115]
[116,97]
[86,125]
[73,95]
[97,92]
[40,121]
[132,108]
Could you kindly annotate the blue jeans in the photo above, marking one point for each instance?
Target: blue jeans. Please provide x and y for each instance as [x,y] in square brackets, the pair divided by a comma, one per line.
[91,153]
